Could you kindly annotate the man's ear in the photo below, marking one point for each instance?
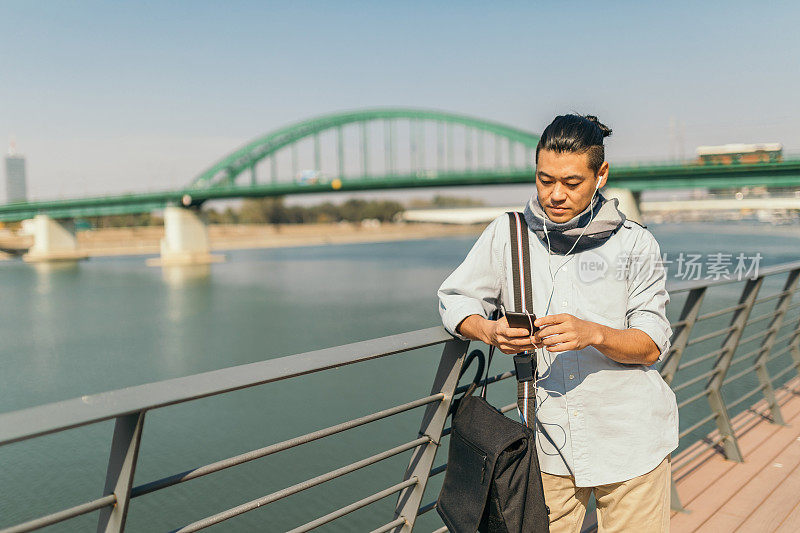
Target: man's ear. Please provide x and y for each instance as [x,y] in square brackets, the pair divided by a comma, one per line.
[602,174]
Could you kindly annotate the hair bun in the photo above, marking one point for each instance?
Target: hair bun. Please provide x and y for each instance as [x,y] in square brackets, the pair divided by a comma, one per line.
[605,129]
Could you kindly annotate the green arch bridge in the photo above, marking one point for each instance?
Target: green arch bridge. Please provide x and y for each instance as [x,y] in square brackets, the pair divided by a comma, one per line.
[390,148]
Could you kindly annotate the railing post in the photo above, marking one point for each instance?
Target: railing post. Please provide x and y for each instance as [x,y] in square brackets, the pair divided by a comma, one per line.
[766,348]
[689,313]
[730,444]
[433,421]
[680,337]
[120,471]
[794,344]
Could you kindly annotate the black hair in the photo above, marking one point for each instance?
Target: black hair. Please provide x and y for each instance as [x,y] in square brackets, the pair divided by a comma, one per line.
[576,133]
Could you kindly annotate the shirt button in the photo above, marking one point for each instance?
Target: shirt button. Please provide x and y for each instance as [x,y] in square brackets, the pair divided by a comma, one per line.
[564,303]
[575,413]
[572,376]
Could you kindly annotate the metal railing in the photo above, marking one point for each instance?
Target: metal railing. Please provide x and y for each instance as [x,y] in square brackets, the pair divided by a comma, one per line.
[774,338]
[777,340]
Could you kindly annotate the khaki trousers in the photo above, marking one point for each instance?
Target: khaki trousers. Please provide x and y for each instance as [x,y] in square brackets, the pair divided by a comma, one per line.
[638,505]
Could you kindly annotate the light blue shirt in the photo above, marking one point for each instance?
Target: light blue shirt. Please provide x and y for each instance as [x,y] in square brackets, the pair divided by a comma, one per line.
[598,420]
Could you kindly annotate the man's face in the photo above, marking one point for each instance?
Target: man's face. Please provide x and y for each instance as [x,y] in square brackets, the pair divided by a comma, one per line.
[565,183]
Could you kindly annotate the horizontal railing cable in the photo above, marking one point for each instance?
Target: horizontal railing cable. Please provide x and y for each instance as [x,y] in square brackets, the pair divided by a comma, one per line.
[755,336]
[60,516]
[355,506]
[690,382]
[744,397]
[708,336]
[779,353]
[737,375]
[693,398]
[391,525]
[783,372]
[772,296]
[278,447]
[299,487]
[696,425]
[745,356]
[697,360]
[719,312]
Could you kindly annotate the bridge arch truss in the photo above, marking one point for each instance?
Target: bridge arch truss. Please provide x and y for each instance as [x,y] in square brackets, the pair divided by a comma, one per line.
[374,143]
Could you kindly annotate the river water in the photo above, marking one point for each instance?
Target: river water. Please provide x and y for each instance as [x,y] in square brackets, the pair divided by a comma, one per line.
[111,323]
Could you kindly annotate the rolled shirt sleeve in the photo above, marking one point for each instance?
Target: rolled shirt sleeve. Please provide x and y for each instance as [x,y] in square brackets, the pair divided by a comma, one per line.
[647,293]
[473,288]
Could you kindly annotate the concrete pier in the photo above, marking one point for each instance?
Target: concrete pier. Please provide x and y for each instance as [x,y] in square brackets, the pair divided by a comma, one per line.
[628,202]
[52,241]
[185,240]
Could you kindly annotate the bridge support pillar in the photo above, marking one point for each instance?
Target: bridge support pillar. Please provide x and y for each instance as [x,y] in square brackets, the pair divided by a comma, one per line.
[52,241]
[628,202]
[185,240]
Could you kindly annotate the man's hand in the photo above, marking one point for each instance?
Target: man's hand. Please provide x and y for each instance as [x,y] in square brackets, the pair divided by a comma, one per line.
[565,332]
[562,332]
[496,333]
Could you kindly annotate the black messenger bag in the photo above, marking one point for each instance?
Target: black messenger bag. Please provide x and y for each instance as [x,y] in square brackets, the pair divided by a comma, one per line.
[492,483]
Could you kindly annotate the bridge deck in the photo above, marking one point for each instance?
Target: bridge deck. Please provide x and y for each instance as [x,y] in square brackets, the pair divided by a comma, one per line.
[762,493]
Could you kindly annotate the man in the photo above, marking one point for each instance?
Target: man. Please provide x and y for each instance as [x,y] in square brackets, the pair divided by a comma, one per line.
[604,419]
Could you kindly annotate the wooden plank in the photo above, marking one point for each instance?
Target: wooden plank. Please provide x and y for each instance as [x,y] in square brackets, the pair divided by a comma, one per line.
[790,524]
[753,494]
[708,474]
[726,487]
[780,502]
[703,472]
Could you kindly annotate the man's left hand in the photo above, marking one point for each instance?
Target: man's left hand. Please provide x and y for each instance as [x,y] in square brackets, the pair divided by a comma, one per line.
[565,332]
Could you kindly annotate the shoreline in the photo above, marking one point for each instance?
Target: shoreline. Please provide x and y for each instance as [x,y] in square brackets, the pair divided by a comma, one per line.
[146,240]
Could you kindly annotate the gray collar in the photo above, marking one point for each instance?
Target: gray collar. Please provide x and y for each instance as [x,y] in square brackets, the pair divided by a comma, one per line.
[607,219]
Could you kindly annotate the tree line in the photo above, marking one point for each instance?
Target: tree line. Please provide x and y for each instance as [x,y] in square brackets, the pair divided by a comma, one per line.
[275,211]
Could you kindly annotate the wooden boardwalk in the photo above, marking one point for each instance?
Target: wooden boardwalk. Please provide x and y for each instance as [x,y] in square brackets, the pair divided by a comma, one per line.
[762,494]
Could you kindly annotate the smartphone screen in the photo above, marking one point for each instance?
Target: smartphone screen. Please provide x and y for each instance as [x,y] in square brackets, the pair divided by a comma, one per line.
[521,320]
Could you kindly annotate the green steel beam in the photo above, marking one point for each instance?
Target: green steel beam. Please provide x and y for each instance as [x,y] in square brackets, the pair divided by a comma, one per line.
[468,148]
[340,150]
[392,143]
[481,140]
[364,148]
[450,146]
[317,153]
[412,145]
[439,146]
[635,178]
[421,145]
[294,161]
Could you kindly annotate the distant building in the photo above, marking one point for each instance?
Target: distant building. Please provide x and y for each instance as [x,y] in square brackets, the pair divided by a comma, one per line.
[727,154]
[16,188]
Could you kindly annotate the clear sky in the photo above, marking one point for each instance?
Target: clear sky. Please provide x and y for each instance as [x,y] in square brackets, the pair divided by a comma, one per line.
[123,96]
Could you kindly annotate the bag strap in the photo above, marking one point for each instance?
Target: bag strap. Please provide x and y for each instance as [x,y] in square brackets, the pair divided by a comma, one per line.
[521,268]
[520,262]
[523,299]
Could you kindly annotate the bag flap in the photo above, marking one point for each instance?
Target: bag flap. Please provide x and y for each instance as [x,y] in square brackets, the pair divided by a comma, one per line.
[486,427]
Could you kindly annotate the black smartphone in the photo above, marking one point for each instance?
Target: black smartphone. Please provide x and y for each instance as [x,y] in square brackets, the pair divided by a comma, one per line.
[521,320]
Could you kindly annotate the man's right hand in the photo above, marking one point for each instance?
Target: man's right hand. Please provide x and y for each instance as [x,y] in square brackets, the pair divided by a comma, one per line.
[496,333]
